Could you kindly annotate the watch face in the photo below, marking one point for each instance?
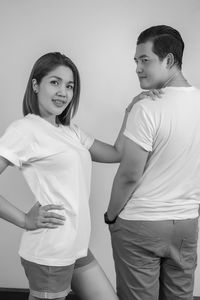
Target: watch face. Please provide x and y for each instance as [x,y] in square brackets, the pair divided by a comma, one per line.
[106,218]
[107,221]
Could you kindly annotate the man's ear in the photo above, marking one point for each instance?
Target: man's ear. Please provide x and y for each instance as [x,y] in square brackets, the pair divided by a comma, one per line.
[170,60]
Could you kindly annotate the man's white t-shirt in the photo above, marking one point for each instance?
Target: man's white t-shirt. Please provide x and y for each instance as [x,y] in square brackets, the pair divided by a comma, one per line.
[56,164]
[169,129]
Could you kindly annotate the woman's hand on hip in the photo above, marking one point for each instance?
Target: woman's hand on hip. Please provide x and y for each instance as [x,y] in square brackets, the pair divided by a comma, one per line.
[42,217]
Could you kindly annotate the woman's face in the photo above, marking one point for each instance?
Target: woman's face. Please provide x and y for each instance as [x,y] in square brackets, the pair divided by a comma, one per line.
[54,92]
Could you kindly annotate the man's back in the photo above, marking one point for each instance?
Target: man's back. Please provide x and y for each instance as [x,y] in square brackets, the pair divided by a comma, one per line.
[170,129]
[157,185]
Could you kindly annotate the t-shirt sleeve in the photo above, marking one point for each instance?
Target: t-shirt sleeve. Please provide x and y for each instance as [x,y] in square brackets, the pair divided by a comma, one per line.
[14,147]
[140,127]
[84,138]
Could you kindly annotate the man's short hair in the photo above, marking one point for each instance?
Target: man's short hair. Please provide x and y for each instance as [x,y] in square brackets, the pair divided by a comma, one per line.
[165,40]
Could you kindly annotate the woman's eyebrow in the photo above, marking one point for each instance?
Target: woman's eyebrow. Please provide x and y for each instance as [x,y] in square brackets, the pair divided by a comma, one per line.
[60,79]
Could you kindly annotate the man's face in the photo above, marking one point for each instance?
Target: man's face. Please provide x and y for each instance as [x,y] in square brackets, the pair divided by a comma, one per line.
[151,71]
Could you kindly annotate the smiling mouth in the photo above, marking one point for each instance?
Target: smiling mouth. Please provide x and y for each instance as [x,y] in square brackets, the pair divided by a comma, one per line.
[59,102]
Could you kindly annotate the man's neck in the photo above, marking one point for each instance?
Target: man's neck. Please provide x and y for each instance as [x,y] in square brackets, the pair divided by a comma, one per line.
[176,79]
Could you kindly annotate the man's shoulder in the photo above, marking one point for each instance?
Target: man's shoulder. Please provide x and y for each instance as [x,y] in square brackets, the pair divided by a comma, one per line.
[148,105]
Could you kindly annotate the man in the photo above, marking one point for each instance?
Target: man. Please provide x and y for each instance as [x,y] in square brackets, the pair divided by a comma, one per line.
[153,211]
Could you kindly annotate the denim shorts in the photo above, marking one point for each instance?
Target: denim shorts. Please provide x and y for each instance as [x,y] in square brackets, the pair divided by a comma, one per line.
[50,282]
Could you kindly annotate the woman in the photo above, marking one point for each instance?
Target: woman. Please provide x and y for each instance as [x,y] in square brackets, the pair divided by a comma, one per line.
[55,158]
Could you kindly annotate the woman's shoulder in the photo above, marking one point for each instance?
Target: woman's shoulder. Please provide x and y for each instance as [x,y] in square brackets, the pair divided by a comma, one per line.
[85,139]
[77,131]
[74,128]
[18,124]
[22,126]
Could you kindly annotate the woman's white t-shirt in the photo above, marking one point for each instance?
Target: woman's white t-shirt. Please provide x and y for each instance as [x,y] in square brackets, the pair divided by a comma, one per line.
[56,164]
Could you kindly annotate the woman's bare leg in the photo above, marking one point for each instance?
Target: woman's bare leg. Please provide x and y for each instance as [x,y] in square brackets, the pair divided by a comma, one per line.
[90,283]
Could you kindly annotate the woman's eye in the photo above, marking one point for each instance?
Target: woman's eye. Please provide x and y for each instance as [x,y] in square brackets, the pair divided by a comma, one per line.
[54,82]
[70,87]
[145,60]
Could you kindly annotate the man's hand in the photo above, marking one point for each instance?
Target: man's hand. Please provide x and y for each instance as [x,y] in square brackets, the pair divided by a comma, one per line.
[41,217]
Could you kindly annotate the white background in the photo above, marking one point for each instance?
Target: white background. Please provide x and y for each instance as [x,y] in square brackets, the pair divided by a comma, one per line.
[99,36]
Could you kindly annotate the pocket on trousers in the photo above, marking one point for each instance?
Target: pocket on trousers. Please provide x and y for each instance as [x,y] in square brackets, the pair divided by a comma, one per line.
[128,226]
[188,252]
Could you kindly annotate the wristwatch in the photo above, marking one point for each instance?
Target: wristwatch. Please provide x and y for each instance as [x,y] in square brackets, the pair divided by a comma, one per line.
[107,221]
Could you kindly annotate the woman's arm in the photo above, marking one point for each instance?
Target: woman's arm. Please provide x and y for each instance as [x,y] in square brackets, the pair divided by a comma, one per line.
[37,217]
[106,153]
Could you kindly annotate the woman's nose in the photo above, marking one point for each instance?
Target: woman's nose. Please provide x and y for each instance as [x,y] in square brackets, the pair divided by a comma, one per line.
[62,90]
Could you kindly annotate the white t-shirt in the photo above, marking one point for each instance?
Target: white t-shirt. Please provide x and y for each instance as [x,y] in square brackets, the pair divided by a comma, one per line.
[169,129]
[56,164]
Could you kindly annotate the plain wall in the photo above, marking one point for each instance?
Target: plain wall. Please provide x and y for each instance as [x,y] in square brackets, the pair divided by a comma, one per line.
[99,36]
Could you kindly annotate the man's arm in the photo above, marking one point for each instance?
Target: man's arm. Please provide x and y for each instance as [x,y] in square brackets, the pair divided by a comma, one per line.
[130,171]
